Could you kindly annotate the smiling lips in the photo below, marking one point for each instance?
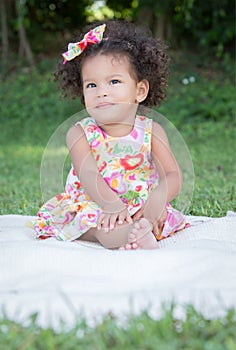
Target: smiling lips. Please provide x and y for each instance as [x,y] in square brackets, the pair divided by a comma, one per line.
[104,105]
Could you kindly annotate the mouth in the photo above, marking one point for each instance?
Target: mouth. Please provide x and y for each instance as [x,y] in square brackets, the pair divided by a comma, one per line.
[104,105]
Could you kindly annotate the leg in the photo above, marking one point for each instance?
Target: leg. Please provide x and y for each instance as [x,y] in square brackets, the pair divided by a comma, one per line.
[88,236]
[115,238]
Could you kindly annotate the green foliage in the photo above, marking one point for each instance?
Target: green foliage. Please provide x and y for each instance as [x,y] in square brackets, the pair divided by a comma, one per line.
[59,14]
[200,89]
[209,24]
[202,100]
[212,147]
[32,99]
[193,331]
[203,111]
[206,25]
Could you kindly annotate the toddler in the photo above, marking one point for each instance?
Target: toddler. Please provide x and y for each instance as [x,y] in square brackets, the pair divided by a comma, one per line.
[123,174]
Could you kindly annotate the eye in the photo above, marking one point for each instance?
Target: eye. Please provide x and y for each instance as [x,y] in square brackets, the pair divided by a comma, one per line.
[114,81]
[90,85]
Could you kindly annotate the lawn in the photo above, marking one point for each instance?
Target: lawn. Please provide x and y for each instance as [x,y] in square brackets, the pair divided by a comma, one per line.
[201,105]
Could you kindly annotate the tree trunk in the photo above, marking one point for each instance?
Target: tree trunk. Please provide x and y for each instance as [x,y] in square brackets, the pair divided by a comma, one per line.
[145,17]
[24,46]
[163,29]
[4,30]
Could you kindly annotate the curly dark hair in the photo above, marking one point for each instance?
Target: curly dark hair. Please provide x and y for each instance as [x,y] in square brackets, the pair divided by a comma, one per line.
[146,54]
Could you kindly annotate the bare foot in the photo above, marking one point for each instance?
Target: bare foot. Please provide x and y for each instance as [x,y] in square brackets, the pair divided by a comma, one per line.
[141,236]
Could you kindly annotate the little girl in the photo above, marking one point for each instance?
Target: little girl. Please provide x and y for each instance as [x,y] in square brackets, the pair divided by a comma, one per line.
[123,172]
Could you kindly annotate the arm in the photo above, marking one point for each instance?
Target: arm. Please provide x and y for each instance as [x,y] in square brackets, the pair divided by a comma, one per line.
[95,186]
[170,178]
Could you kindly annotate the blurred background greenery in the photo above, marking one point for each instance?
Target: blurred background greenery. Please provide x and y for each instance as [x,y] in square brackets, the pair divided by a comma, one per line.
[33,29]
[200,98]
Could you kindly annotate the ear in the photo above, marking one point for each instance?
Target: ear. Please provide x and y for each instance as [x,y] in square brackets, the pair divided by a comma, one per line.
[142,90]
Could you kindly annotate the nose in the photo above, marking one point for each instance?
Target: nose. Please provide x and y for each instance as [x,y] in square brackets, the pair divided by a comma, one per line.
[102,91]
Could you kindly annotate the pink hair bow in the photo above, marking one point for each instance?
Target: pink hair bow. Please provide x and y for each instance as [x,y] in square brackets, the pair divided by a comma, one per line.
[94,36]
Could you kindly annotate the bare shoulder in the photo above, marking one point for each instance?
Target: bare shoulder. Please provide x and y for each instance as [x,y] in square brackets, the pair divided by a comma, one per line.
[159,134]
[75,134]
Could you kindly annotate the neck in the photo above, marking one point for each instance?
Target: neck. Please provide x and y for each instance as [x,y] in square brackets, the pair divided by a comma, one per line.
[117,130]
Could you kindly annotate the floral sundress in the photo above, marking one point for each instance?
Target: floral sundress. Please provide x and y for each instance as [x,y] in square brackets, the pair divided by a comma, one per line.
[126,165]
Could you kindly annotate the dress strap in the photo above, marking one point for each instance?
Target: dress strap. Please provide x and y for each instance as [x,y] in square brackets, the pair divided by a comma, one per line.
[145,124]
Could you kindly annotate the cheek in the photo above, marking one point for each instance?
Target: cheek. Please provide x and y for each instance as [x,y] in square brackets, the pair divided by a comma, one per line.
[87,97]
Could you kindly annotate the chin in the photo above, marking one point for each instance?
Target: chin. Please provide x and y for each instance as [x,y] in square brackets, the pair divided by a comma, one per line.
[114,113]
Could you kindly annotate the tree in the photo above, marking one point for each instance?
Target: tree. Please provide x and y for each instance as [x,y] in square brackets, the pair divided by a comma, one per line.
[24,46]
[14,12]
[4,29]
[210,25]
[40,24]
[158,16]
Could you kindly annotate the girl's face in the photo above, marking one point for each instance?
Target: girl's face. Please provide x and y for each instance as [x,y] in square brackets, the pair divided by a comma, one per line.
[111,93]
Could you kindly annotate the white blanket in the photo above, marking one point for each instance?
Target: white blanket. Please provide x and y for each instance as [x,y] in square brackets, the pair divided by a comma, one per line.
[63,280]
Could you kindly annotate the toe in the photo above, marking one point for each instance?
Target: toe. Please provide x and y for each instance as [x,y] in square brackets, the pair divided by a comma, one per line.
[137,225]
[132,237]
[143,222]
[128,246]
[135,246]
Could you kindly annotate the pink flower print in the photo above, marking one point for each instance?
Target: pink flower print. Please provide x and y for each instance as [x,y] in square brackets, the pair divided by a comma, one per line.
[124,200]
[103,134]
[94,143]
[69,187]
[115,181]
[134,133]
[46,216]
[49,206]
[132,177]
[92,128]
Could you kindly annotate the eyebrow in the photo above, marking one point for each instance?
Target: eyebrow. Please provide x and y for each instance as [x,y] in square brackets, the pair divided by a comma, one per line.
[109,77]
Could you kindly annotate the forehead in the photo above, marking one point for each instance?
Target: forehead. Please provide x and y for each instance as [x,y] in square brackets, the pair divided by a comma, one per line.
[112,61]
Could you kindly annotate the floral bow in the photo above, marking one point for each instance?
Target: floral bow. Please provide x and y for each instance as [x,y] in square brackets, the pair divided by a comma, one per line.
[94,36]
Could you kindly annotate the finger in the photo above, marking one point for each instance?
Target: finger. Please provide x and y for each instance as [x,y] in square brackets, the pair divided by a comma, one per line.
[161,225]
[138,215]
[156,230]
[105,224]
[113,219]
[129,219]
[122,216]
[163,215]
[100,221]
[162,220]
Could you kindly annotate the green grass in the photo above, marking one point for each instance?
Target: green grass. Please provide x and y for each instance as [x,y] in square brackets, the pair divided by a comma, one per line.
[191,332]
[204,113]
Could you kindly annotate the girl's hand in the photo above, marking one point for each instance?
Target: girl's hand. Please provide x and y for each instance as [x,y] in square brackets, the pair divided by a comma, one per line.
[108,221]
[157,225]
